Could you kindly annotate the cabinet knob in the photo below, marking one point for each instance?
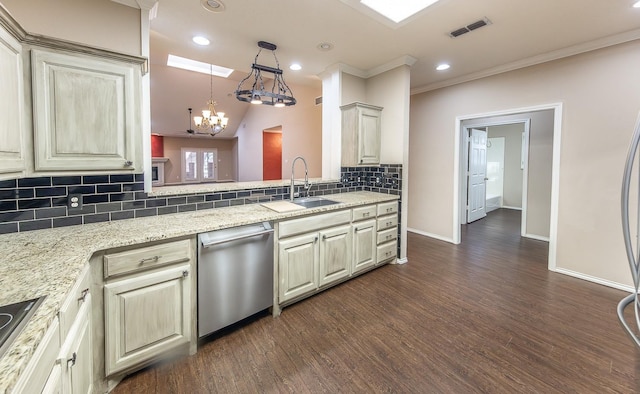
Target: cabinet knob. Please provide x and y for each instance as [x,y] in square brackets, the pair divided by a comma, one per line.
[72,360]
[185,273]
[128,163]
[83,295]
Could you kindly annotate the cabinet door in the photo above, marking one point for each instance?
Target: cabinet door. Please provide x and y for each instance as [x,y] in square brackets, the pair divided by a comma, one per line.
[77,353]
[369,138]
[145,316]
[335,254]
[364,245]
[86,113]
[12,162]
[298,266]
[54,383]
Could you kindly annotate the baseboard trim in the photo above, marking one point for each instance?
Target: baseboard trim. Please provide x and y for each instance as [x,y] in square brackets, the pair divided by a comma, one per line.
[514,208]
[430,235]
[403,260]
[537,237]
[594,279]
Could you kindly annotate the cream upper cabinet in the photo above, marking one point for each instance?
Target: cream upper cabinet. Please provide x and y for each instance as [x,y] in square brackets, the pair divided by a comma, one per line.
[361,134]
[12,128]
[87,113]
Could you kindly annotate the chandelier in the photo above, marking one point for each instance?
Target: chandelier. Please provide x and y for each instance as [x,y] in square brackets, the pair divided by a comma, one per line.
[211,122]
[279,95]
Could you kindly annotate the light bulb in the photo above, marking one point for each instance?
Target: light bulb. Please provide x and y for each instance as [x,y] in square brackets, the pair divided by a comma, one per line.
[206,113]
[255,99]
[197,120]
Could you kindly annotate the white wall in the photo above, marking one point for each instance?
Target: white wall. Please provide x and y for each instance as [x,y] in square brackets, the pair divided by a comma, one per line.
[226,156]
[600,93]
[301,135]
[512,181]
[89,22]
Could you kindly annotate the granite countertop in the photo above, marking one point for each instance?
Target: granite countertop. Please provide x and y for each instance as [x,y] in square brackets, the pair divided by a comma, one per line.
[48,262]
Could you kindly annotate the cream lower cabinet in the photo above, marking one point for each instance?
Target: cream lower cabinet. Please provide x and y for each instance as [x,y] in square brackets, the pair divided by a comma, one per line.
[313,251]
[148,303]
[298,266]
[335,254]
[76,356]
[146,316]
[364,245]
[387,235]
[313,260]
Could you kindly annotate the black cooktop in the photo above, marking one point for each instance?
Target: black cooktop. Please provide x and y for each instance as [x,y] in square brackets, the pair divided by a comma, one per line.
[13,318]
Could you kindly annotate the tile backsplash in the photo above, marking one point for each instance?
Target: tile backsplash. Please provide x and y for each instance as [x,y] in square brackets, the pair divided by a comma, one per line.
[38,203]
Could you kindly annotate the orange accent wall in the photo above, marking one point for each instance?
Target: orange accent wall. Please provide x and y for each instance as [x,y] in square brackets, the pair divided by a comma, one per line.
[271,156]
[157,146]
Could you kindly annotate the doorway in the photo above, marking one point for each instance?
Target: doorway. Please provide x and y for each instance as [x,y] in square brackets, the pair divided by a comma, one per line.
[272,154]
[532,212]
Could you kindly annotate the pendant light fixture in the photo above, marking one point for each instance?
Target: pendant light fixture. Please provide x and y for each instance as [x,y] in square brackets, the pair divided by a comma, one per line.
[211,122]
[279,95]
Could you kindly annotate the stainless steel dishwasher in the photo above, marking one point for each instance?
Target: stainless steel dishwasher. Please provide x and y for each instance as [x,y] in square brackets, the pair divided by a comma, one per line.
[235,275]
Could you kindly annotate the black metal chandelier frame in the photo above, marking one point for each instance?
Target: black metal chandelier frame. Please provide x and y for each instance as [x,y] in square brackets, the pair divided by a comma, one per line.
[279,95]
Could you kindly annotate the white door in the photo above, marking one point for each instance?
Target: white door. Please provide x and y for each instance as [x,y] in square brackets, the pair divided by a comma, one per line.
[476,194]
[199,165]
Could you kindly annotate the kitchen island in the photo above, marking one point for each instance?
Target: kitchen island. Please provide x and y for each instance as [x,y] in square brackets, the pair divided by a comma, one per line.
[49,262]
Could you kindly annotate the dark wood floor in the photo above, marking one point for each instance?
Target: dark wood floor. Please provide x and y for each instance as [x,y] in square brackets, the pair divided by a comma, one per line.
[483,316]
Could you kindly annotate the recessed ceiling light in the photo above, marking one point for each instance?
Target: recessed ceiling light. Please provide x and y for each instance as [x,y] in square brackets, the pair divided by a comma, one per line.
[200,40]
[212,5]
[295,67]
[395,10]
[201,67]
[443,66]
[325,46]
[637,5]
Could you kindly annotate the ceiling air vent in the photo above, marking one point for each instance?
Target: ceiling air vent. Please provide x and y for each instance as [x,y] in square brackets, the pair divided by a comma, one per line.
[470,27]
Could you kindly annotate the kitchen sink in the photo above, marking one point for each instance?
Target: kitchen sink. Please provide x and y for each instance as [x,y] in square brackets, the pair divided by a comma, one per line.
[313,202]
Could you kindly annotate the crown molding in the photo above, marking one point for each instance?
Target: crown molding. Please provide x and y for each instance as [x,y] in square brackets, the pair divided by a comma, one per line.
[405,60]
[604,42]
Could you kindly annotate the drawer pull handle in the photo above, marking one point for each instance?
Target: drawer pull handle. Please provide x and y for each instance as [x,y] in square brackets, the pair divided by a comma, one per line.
[150,260]
[83,295]
[389,223]
[72,360]
[185,273]
[366,214]
[389,209]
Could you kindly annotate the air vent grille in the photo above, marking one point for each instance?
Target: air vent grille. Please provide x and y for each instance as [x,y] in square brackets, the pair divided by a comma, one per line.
[318,100]
[470,27]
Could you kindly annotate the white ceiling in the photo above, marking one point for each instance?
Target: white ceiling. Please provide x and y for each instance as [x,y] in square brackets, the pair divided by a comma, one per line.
[521,33]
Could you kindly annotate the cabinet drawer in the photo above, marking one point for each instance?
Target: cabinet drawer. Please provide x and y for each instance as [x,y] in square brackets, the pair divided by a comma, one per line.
[147,257]
[313,223]
[387,235]
[386,252]
[73,302]
[387,208]
[362,213]
[386,222]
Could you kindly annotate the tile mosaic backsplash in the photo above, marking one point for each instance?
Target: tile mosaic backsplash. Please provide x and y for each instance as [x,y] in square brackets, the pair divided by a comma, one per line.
[38,203]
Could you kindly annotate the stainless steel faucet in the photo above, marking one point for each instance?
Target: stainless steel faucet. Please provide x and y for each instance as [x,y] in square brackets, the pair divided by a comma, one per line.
[306,176]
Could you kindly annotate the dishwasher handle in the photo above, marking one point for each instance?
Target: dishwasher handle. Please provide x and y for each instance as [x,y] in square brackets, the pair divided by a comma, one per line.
[221,241]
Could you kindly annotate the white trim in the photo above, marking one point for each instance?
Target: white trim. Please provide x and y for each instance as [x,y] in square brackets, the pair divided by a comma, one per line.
[514,208]
[536,237]
[538,59]
[555,172]
[401,261]
[405,60]
[594,279]
[524,164]
[430,235]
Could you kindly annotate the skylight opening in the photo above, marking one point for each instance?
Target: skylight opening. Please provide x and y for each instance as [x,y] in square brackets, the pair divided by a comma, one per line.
[397,11]
[200,67]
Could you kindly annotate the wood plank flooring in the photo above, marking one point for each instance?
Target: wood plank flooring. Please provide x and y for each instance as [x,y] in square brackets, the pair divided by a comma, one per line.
[483,316]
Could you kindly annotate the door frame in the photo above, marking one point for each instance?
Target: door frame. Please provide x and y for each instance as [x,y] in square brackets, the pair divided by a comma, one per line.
[459,156]
[524,163]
